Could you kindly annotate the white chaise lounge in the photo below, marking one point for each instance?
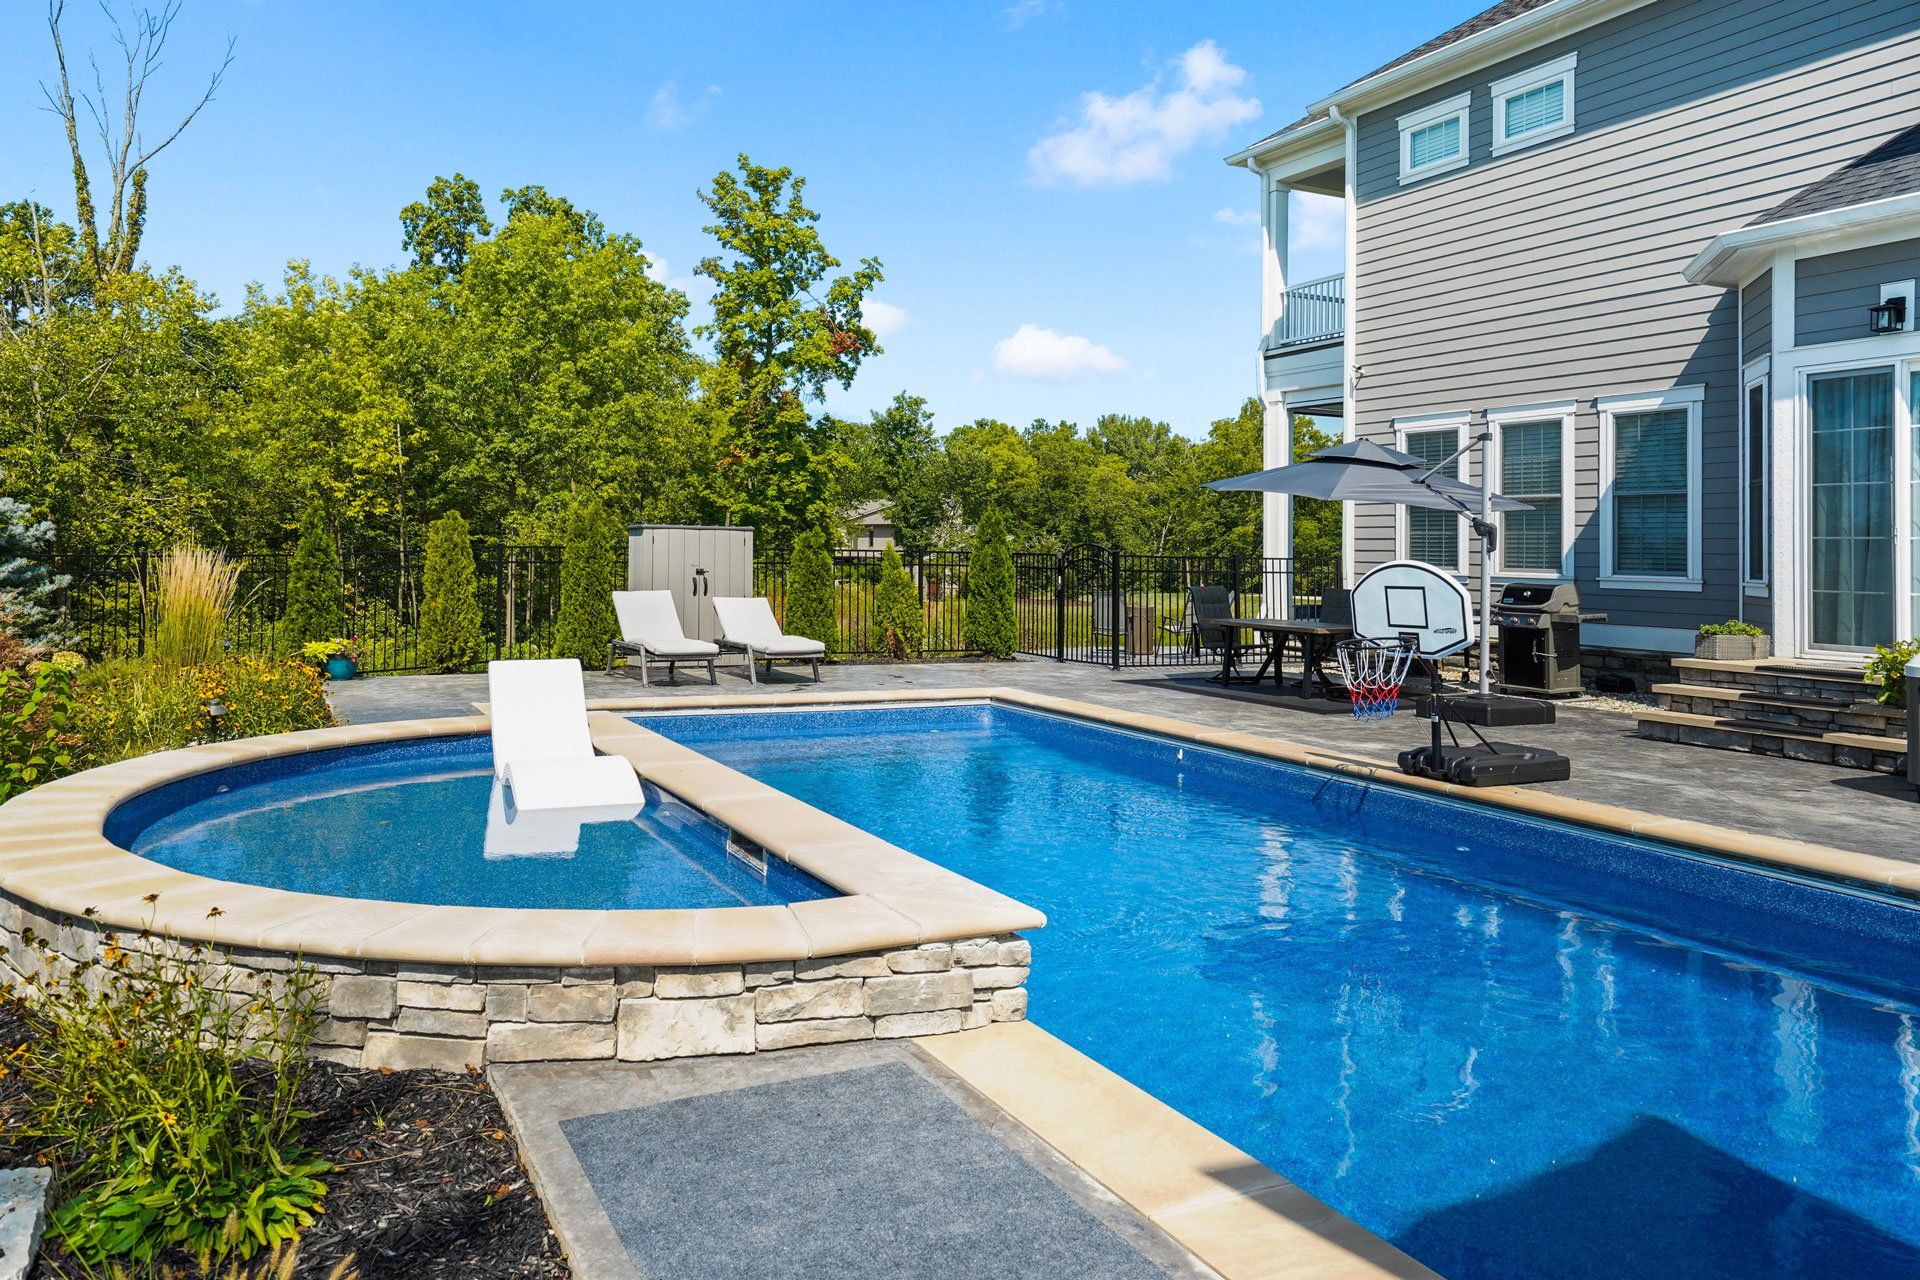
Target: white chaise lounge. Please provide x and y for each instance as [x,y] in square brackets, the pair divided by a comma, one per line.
[747,626]
[650,628]
[542,750]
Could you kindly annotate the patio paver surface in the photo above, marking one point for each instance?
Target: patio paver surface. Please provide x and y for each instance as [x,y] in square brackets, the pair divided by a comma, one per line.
[1867,812]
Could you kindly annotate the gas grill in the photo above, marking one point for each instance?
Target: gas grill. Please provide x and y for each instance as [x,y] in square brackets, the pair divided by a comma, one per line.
[1537,626]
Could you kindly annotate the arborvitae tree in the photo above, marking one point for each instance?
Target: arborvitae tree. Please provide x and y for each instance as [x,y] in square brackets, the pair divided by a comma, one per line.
[990,622]
[28,588]
[316,602]
[589,575]
[450,636]
[899,620]
[810,591]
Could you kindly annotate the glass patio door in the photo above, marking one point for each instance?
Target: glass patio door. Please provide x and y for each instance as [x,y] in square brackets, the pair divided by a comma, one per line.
[1852,528]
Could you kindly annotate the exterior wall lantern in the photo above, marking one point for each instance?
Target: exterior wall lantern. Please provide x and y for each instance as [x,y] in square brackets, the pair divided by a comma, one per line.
[1890,316]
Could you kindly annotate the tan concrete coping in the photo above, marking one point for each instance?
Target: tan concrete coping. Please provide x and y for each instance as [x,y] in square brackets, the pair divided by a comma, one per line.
[1887,875]
[54,853]
[1229,1210]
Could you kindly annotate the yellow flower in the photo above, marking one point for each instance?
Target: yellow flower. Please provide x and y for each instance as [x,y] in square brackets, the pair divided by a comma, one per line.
[167,1119]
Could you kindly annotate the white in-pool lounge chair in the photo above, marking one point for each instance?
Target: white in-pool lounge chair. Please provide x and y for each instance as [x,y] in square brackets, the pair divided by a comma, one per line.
[747,626]
[541,747]
[650,628]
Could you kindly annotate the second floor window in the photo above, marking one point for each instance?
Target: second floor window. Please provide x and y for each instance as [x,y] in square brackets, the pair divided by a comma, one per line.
[1534,105]
[1434,139]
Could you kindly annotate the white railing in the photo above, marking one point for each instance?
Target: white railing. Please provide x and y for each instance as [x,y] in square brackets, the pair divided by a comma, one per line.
[1310,312]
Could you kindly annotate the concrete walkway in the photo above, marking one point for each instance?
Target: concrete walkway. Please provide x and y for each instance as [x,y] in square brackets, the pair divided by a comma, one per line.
[1868,812]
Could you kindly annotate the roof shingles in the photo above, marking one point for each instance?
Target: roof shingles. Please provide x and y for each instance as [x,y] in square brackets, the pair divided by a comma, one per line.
[1890,169]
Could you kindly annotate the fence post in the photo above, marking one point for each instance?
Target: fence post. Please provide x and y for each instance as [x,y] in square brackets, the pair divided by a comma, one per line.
[1119,619]
[140,599]
[1060,606]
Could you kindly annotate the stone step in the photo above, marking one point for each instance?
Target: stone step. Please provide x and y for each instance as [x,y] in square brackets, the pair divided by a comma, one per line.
[1733,701]
[1841,684]
[1881,752]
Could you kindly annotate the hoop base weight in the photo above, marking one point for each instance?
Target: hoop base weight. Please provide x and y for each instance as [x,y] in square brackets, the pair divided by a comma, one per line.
[1497,764]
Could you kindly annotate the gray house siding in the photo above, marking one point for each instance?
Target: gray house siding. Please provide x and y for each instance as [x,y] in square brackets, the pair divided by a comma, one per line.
[1831,293]
[1553,272]
[1756,317]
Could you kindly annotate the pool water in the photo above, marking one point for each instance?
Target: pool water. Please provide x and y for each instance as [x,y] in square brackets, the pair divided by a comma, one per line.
[1515,1049]
[421,822]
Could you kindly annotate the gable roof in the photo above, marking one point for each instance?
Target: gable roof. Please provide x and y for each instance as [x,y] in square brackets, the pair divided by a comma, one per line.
[1890,169]
[1492,16]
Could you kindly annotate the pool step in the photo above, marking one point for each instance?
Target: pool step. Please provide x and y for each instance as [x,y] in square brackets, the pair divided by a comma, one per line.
[1880,752]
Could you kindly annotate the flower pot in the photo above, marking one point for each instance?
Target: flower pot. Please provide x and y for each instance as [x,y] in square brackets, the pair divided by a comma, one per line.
[1732,648]
[342,668]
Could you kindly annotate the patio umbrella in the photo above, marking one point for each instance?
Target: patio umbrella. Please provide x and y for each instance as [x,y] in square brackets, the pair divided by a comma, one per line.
[1362,471]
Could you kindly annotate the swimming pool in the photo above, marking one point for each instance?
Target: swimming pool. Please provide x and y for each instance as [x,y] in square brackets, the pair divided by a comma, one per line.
[423,822]
[1513,1048]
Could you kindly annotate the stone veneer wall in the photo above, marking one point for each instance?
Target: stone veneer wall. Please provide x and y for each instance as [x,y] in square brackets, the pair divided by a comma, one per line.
[452,1017]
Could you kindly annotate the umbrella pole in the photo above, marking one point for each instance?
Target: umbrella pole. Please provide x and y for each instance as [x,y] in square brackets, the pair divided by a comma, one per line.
[1487,543]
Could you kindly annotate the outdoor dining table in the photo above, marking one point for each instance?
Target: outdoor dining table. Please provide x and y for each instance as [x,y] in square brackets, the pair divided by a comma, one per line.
[1316,641]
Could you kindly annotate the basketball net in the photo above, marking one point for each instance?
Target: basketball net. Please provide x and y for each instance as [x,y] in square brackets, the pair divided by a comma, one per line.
[1374,667]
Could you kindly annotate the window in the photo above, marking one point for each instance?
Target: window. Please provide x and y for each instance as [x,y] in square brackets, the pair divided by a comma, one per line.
[1434,139]
[1530,461]
[1758,533]
[1651,450]
[1431,535]
[1533,106]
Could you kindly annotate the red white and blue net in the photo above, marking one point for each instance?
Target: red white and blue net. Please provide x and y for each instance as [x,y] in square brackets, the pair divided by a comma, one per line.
[1374,668]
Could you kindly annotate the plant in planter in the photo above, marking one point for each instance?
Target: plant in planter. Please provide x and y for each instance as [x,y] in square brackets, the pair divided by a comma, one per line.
[1888,669]
[339,658]
[1731,641]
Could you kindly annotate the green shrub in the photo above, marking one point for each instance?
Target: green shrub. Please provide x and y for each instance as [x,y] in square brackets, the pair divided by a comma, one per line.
[131,708]
[316,600]
[36,713]
[163,1088]
[29,591]
[990,624]
[1731,627]
[589,575]
[1888,669]
[193,594]
[809,602]
[899,619]
[450,636]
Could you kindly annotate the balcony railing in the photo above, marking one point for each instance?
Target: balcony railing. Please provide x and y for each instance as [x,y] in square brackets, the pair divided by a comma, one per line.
[1311,312]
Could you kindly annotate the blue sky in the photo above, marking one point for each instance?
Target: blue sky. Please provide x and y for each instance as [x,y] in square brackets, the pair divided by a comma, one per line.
[1041,178]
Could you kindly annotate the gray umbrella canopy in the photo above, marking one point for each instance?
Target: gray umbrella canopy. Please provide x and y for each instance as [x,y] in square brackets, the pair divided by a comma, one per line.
[1362,471]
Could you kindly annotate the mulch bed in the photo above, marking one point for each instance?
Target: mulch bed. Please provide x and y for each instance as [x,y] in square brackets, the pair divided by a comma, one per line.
[428,1184]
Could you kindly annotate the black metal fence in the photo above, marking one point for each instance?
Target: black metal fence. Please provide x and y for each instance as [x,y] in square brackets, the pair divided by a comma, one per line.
[110,595]
[1090,604]
[940,576]
[1116,608]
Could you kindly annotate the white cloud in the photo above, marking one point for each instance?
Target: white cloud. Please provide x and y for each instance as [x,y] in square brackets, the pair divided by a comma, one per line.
[1237,217]
[1318,222]
[672,111]
[884,318]
[1043,354]
[657,268]
[1021,12]
[1137,137]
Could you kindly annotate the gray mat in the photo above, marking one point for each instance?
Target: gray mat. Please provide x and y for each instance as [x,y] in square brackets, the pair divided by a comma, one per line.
[866,1174]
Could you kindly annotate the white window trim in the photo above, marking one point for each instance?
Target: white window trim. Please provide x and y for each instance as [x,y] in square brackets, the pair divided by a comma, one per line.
[1754,579]
[1692,399]
[1451,108]
[1404,427]
[1496,420]
[1562,69]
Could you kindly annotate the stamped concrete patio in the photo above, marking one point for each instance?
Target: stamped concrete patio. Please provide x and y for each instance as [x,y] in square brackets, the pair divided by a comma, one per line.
[1865,812]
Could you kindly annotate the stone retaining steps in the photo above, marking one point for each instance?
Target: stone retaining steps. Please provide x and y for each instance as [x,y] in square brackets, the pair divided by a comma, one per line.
[1799,710]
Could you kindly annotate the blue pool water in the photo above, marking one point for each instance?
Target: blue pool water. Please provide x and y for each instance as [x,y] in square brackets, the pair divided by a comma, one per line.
[409,823]
[1514,1049]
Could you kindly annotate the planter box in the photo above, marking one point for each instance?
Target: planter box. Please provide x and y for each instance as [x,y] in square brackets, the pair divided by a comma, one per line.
[1733,648]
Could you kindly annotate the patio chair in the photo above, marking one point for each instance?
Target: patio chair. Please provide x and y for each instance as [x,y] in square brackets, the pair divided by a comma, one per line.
[650,628]
[542,750]
[1205,605]
[747,625]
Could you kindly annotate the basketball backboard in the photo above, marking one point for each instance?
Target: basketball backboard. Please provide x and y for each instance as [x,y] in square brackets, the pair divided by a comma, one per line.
[1412,597]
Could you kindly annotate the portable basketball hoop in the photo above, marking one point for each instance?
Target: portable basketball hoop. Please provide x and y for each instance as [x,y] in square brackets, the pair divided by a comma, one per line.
[1374,668]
